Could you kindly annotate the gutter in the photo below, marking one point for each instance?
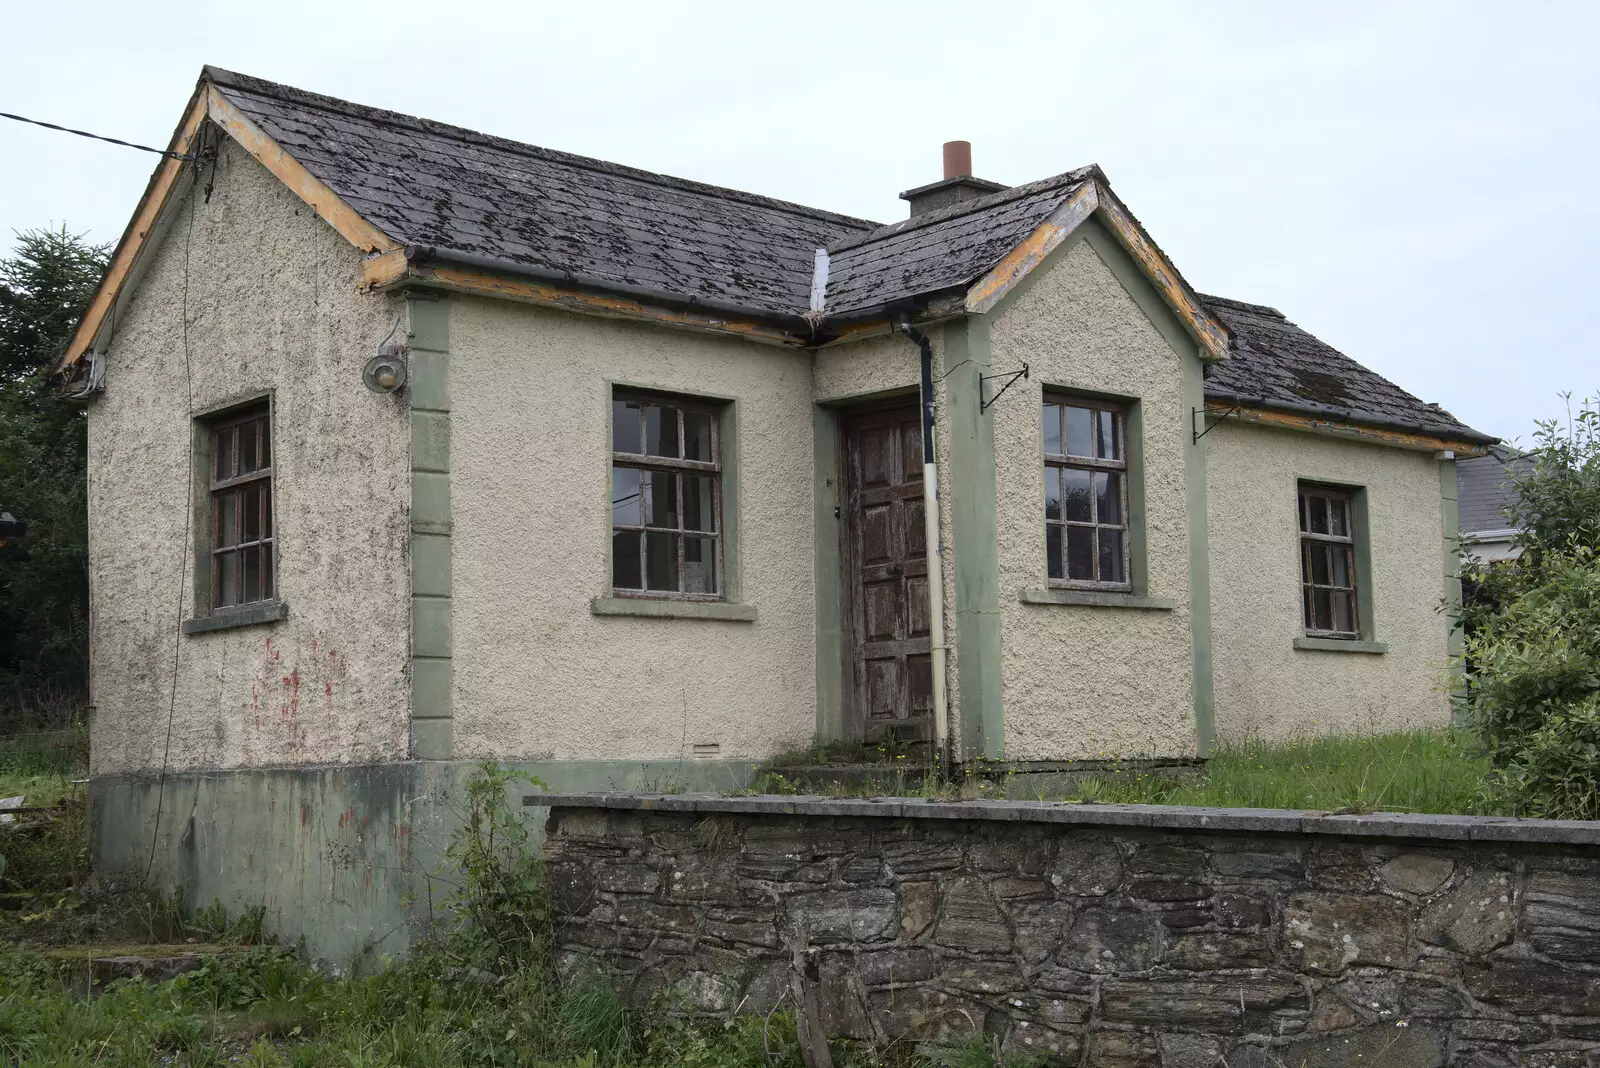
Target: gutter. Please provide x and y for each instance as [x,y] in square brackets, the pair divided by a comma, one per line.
[1349,415]
[419,254]
[930,519]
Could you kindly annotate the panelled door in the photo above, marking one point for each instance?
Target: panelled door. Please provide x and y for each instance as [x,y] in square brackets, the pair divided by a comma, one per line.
[886,574]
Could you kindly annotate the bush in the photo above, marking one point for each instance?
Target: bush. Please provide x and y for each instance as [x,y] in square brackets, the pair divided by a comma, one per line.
[1532,633]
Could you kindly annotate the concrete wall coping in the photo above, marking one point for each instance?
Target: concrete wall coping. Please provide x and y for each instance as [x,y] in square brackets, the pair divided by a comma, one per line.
[1399,825]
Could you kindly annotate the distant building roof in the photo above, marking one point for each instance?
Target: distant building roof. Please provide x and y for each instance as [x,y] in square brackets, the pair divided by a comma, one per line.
[1483,490]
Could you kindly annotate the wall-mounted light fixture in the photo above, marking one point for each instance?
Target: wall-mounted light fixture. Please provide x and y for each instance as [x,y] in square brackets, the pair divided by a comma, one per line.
[386,372]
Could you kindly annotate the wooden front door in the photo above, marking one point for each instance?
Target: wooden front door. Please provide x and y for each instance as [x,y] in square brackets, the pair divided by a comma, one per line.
[886,574]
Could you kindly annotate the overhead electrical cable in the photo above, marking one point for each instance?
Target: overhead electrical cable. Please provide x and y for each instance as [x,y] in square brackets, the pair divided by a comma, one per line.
[95,136]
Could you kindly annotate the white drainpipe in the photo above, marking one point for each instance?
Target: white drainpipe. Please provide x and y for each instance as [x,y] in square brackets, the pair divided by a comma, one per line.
[930,517]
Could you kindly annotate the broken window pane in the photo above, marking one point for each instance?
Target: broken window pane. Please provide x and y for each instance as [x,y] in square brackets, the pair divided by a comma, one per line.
[1052,548]
[660,561]
[227,531]
[1322,609]
[661,499]
[1080,553]
[625,573]
[1080,432]
[250,512]
[227,579]
[1342,614]
[1105,444]
[1079,494]
[699,503]
[697,436]
[1110,555]
[222,454]
[250,566]
[699,565]
[1108,497]
[661,430]
[625,508]
[1052,493]
[1052,429]
[1319,514]
[625,426]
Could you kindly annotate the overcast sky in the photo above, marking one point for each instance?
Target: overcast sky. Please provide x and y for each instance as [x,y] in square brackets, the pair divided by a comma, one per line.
[1412,182]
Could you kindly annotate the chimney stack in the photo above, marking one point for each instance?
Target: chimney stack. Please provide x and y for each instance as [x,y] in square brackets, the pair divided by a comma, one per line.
[956,186]
[957,159]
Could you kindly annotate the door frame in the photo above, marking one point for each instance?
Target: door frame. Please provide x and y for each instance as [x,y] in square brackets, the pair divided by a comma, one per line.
[853,721]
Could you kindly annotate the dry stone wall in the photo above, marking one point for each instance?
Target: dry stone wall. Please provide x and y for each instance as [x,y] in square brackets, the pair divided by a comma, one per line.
[1094,937]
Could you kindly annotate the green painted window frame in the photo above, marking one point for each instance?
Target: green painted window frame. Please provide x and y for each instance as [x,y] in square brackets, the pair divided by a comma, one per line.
[206,617]
[610,601]
[1366,639]
[1136,591]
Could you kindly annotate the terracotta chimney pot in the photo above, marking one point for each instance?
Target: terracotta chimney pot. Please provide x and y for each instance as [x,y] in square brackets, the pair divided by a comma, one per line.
[957,159]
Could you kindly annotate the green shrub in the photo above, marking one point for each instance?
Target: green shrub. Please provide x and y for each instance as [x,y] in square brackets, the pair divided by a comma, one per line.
[1535,698]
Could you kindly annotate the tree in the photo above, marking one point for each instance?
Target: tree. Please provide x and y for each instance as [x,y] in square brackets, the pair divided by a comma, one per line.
[45,284]
[1533,631]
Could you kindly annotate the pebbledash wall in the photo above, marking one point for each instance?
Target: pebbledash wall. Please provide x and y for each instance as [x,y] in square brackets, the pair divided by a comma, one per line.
[1106,936]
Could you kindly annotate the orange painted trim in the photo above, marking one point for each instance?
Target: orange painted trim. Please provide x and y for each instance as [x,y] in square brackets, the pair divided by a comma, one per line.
[1213,336]
[145,216]
[1377,435]
[322,200]
[467,280]
[1010,271]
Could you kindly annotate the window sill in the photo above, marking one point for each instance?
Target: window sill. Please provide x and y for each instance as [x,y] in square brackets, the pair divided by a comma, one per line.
[1097,599]
[232,618]
[1340,645]
[653,609]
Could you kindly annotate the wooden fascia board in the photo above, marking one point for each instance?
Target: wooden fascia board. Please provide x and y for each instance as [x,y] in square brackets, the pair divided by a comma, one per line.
[145,217]
[209,103]
[390,272]
[1006,275]
[350,224]
[1214,337]
[1402,439]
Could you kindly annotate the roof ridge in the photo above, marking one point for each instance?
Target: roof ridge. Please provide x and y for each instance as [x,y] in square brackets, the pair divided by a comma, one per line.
[968,207]
[1241,305]
[306,98]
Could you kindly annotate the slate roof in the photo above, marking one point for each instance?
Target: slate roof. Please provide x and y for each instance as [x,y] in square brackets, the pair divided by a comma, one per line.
[1481,489]
[426,183]
[1276,364]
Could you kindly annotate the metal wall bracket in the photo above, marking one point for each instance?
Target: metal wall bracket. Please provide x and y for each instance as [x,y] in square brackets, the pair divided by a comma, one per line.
[1194,420]
[1010,377]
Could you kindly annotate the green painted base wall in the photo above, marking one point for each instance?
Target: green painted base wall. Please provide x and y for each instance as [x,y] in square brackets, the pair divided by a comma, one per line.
[347,858]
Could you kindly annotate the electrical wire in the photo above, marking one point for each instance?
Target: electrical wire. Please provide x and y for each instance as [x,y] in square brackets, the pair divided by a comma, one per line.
[95,136]
[183,556]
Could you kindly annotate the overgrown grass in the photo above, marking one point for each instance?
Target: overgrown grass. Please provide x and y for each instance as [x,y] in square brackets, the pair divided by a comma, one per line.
[1414,771]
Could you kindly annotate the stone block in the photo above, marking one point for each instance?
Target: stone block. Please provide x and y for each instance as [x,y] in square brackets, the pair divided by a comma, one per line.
[1384,1045]
[861,914]
[1112,940]
[1523,985]
[922,1012]
[572,886]
[985,976]
[646,914]
[1086,867]
[1576,947]
[1027,1039]
[1341,867]
[1326,933]
[919,906]
[1172,861]
[1386,996]
[1039,927]
[1561,899]
[627,877]
[1012,852]
[1014,888]
[1252,1004]
[1122,1049]
[1472,918]
[1416,873]
[1211,950]
[1183,917]
[1190,1051]
[841,1001]
[883,967]
[971,920]
[750,926]
[861,870]
[1282,866]
[1238,911]
[1168,890]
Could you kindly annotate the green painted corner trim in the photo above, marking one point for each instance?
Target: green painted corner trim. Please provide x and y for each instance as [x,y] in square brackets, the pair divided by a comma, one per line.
[1366,616]
[432,739]
[973,540]
[252,615]
[1202,683]
[1096,599]
[827,576]
[432,611]
[650,609]
[1450,520]
[1340,645]
[732,548]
